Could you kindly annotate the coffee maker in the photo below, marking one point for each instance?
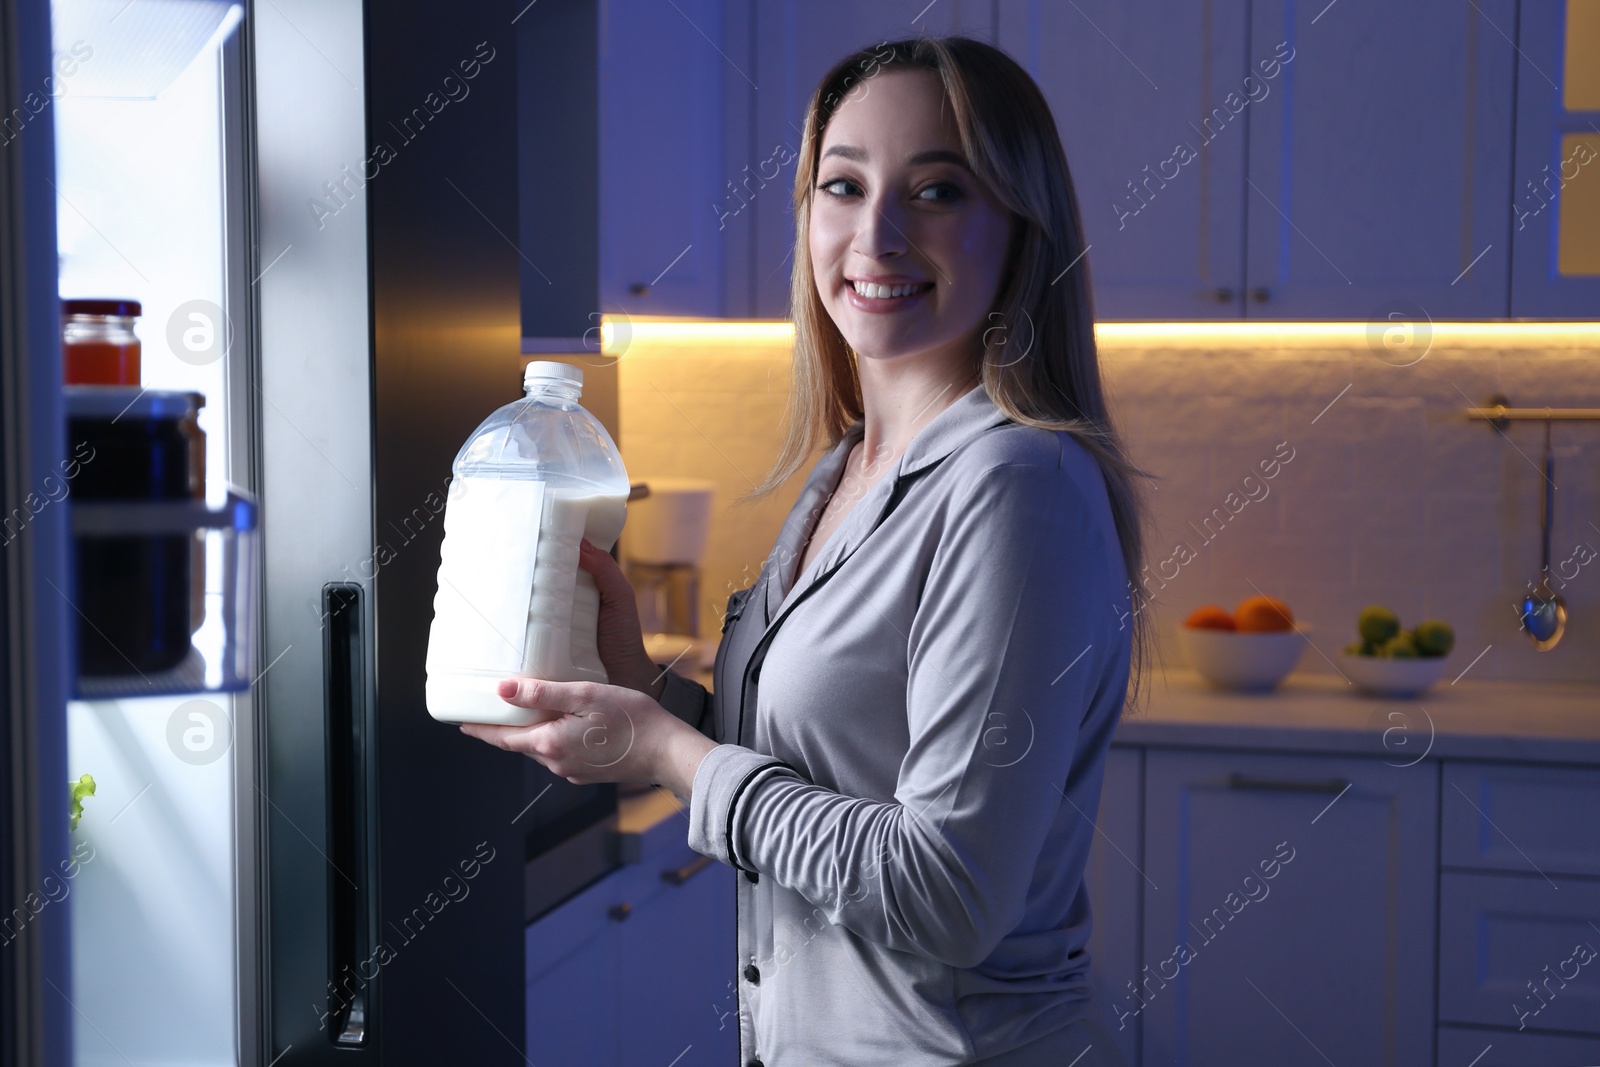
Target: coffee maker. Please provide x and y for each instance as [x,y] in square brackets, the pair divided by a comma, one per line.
[665,539]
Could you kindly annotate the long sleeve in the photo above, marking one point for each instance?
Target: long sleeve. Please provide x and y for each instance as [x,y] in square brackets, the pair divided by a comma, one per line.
[688,700]
[1012,642]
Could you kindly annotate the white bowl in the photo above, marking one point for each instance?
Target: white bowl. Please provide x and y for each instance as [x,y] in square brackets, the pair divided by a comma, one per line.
[1392,677]
[1248,661]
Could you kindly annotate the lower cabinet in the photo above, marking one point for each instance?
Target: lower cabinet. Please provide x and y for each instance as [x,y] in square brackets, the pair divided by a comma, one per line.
[571,962]
[1306,909]
[675,985]
[1520,953]
[1116,892]
[1462,1047]
[1519,913]
[636,969]
[1289,914]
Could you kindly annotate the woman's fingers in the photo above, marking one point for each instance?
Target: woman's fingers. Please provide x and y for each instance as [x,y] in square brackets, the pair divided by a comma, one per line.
[563,698]
[608,577]
[589,737]
[617,634]
[509,738]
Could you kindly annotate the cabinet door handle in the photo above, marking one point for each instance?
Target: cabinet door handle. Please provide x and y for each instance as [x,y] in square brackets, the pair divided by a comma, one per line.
[680,875]
[1222,295]
[1261,294]
[639,289]
[619,912]
[1288,785]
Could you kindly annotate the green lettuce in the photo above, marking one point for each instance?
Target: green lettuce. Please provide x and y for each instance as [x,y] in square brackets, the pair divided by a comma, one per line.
[83,787]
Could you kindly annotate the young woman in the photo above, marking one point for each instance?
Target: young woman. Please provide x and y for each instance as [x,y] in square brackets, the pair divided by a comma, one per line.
[913,702]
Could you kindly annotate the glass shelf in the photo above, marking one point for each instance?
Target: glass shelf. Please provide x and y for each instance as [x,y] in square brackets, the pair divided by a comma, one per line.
[164,596]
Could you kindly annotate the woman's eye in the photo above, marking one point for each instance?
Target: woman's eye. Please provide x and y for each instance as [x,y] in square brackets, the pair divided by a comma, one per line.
[829,186]
[952,192]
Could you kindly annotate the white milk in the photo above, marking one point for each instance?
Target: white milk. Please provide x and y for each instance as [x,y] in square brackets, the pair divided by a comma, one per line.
[512,599]
[565,607]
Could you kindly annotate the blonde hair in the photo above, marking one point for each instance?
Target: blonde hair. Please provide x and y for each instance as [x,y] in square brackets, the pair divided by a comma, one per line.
[1044,308]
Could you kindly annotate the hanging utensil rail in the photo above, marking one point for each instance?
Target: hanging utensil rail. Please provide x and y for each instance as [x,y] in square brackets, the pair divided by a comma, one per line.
[1499,411]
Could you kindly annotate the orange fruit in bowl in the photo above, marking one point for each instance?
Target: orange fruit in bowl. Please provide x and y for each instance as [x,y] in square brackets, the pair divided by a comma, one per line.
[1210,617]
[1258,614]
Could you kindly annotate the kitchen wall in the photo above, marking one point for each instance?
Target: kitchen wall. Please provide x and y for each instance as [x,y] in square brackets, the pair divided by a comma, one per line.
[709,404]
[1309,462]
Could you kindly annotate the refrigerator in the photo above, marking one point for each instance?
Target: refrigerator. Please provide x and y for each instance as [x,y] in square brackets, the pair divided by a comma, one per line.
[317,203]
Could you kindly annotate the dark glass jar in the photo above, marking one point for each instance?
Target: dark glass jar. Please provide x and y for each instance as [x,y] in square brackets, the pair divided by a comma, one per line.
[135,594]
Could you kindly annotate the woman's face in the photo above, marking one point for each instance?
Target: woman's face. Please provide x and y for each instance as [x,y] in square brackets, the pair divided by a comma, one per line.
[896,207]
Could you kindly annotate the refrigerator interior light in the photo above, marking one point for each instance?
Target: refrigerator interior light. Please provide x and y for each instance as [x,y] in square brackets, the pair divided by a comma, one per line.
[133,49]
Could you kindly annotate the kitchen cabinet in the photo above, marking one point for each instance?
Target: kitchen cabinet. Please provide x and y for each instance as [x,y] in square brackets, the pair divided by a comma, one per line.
[1282,161]
[675,986]
[1519,952]
[621,164]
[1126,82]
[1497,1048]
[795,44]
[1269,161]
[637,968]
[1555,183]
[663,243]
[1377,175]
[1519,907]
[571,961]
[1507,817]
[1293,902]
[1116,891]
[1313,888]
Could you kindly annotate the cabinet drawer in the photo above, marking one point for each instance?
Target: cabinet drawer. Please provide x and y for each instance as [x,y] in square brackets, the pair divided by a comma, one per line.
[1508,1048]
[1521,953]
[1523,819]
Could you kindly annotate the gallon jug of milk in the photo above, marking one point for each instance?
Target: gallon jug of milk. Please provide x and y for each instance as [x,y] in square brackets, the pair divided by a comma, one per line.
[539,475]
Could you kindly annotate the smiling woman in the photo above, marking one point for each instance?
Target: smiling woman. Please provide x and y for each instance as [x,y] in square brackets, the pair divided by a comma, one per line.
[913,702]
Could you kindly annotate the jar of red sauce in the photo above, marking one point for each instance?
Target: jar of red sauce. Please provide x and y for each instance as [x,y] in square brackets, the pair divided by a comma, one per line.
[98,345]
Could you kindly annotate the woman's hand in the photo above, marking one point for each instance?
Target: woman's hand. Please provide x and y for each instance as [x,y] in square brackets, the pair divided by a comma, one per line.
[599,733]
[618,636]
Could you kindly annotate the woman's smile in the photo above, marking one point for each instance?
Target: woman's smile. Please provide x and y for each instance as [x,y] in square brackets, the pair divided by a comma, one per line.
[886,294]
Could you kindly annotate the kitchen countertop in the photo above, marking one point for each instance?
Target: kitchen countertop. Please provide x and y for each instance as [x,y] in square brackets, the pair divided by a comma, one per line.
[1525,721]
[1545,722]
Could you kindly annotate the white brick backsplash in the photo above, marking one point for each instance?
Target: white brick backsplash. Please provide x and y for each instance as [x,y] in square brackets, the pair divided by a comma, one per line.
[1393,495]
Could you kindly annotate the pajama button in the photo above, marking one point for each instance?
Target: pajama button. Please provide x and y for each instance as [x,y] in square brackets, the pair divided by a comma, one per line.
[752,975]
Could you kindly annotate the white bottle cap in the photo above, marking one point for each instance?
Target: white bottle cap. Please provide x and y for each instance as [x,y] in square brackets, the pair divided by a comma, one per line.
[550,369]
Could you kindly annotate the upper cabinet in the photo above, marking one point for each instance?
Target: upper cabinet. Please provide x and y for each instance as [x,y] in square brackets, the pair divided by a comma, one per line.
[1301,161]
[1158,175]
[1555,188]
[1276,160]
[1377,173]
[663,248]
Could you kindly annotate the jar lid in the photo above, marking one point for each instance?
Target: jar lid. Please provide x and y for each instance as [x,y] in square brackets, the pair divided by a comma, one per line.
[549,368]
[101,306]
[129,401]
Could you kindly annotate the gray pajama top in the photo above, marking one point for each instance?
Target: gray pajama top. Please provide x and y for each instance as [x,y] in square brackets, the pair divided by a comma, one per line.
[911,740]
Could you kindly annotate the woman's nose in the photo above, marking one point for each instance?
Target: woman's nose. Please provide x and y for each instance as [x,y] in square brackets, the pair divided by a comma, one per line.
[880,229]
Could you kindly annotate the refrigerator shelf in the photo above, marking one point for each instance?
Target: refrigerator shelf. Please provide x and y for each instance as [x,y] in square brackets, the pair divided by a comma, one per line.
[164,596]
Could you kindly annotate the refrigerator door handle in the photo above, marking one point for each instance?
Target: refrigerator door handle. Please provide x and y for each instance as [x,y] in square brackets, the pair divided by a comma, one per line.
[350,883]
